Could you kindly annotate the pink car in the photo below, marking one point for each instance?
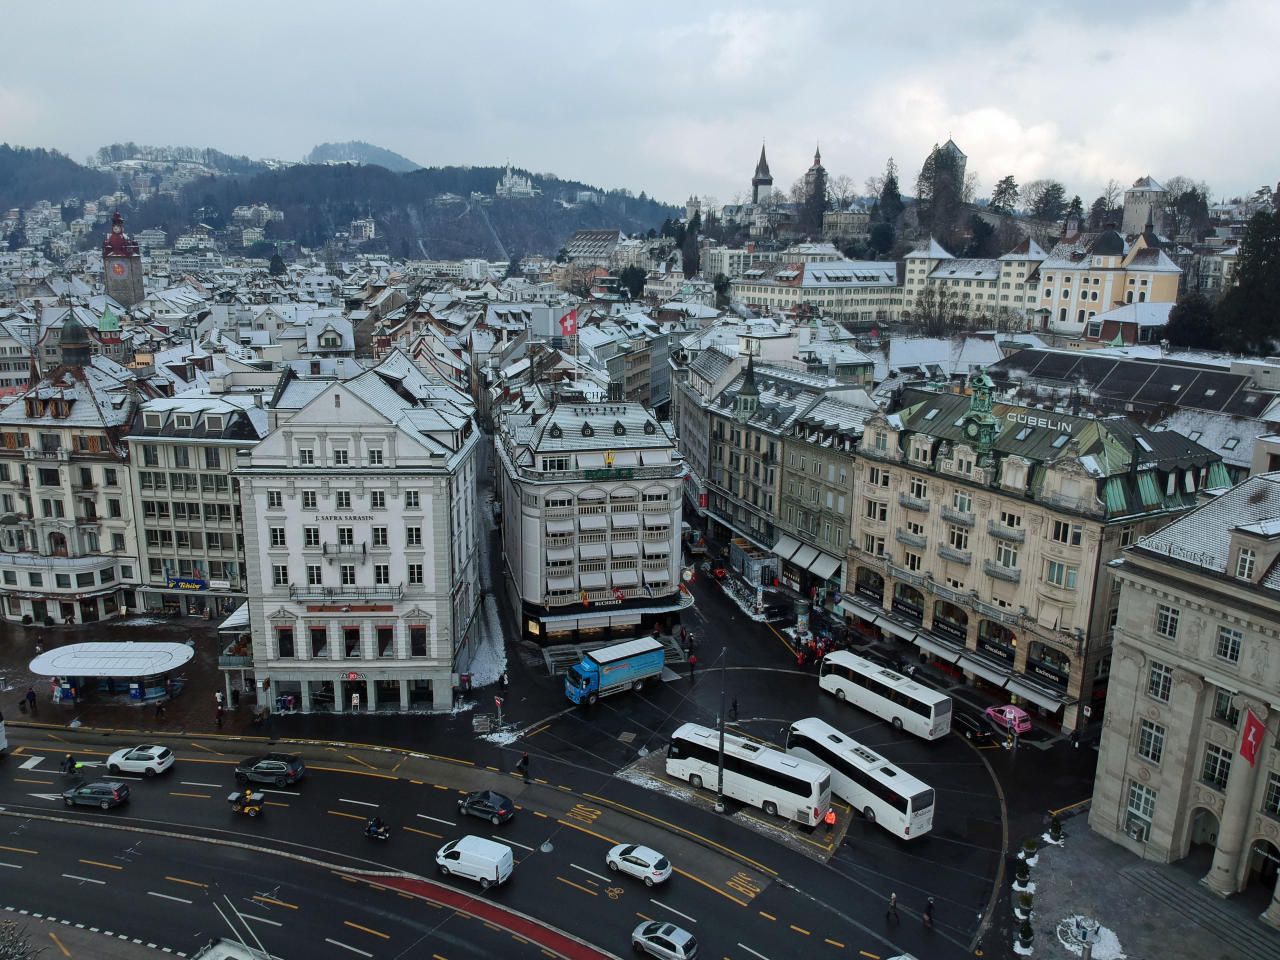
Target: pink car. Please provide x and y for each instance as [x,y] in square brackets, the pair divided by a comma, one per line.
[1009,718]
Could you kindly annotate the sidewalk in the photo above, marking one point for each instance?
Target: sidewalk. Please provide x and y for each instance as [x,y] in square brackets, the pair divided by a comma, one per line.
[64,939]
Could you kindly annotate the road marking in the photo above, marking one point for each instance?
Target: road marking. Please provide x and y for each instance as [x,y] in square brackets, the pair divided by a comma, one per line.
[189,883]
[46,796]
[274,902]
[250,916]
[447,823]
[196,783]
[11,866]
[800,930]
[201,746]
[343,813]
[362,803]
[344,946]
[767,916]
[589,873]
[274,803]
[699,880]
[512,842]
[673,910]
[534,733]
[105,866]
[834,943]
[753,952]
[72,876]
[283,793]
[871,956]
[368,930]
[590,833]
[47,783]
[357,773]
[425,833]
[195,796]
[31,763]
[570,883]
[20,850]
[366,763]
[54,937]
[165,896]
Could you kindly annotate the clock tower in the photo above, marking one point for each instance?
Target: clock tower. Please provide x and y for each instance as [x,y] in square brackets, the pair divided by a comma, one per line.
[980,425]
[121,265]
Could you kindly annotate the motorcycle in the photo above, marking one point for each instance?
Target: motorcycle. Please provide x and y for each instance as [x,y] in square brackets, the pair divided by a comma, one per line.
[380,832]
[246,802]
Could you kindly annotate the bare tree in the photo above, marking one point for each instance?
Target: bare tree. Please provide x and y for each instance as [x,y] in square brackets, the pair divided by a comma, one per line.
[15,942]
[1112,193]
[938,311]
[840,189]
[797,193]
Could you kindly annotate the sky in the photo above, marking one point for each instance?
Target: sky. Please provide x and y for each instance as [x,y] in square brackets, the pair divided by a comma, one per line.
[670,98]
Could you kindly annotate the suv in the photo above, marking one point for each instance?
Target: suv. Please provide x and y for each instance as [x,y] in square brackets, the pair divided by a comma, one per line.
[99,793]
[488,805]
[280,769]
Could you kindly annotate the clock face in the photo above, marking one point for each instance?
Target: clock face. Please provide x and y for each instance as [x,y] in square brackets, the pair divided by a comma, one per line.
[971,429]
[119,269]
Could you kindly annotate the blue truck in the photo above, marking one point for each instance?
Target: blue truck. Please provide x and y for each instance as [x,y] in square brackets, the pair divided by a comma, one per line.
[620,666]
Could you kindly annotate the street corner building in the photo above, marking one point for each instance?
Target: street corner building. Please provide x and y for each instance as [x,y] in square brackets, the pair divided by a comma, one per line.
[1188,764]
[361,540]
[590,501]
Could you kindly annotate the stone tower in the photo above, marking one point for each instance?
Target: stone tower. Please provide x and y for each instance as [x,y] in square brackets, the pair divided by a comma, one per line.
[73,343]
[121,265]
[762,181]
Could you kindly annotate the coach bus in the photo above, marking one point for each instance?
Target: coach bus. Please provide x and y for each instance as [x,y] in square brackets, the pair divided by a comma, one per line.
[890,696]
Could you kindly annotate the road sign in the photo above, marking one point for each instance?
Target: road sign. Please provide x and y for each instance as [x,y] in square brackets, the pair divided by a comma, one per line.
[1088,711]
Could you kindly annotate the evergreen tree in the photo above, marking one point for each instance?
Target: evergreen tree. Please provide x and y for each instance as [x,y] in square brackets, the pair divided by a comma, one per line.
[633,279]
[1191,324]
[814,204]
[277,267]
[881,238]
[1248,318]
[18,235]
[1075,210]
[1004,198]
[890,203]
[689,246]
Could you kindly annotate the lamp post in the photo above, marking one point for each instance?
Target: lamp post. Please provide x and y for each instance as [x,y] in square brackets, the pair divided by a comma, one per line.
[724,654]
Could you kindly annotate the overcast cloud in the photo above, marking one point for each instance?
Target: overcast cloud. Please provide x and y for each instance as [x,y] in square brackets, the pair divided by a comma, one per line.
[671,98]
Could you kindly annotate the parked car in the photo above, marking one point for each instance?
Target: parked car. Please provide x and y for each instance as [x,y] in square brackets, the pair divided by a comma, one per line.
[148,759]
[643,863]
[280,769]
[972,726]
[1010,718]
[784,613]
[664,940]
[488,805]
[98,793]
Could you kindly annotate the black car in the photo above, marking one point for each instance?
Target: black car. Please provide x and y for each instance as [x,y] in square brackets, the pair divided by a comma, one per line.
[488,805]
[972,727]
[280,769]
[99,793]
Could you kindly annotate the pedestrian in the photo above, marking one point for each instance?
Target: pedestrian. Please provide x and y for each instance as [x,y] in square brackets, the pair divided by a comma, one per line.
[355,703]
[39,648]
[522,767]
[31,700]
[504,680]
[892,912]
[693,665]
[217,698]
[830,819]
[1075,739]
[160,710]
[928,913]
[217,716]
[68,764]
[733,709]
[235,698]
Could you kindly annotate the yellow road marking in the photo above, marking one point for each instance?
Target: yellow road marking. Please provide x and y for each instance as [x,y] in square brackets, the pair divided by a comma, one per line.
[643,916]
[20,850]
[548,953]
[274,803]
[536,732]
[494,769]
[1070,806]
[25,780]
[436,956]
[54,937]
[343,876]
[201,746]
[440,786]
[781,639]
[368,930]
[590,833]
[399,763]
[711,887]
[18,750]
[420,782]
[799,929]
[834,943]
[105,866]
[189,883]
[343,813]
[519,939]
[767,916]
[356,773]
[576,886]
[198,796]
[425,833]
[539,813]
[870,956]
[54,736]
[365,763]
[491,926]
[274,902]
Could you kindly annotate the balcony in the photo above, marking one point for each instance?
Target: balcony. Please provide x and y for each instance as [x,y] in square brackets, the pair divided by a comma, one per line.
[917,540]
[346,594]
[954,555]
[913,503]
[1011,574]
[237,654]
[1012,534]
[346,549]
[958,517]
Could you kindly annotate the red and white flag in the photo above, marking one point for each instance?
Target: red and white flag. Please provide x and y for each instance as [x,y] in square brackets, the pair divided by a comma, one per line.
[1251,738]
[569,323]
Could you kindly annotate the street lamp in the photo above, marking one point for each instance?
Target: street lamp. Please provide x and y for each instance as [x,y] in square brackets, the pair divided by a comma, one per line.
[724,655]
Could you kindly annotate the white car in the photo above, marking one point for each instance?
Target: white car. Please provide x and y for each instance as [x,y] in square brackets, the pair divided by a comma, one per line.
[148,759]
[644,863]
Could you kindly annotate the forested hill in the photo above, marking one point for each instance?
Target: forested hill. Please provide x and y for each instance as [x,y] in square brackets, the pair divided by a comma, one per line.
[28,175]
[428,212]
[357,151]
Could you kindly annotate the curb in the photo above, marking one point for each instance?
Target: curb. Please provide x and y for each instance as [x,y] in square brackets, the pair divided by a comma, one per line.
[85,928]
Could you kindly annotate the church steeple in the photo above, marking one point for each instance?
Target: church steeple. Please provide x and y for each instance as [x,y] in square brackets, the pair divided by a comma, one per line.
[762,182]
[817,155]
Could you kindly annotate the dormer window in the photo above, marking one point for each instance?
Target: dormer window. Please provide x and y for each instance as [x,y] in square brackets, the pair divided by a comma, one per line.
[213,423]
[183,421]
[555,431]
[151,421]
[618,429]
[649,428]
[1246,560]
[587,430]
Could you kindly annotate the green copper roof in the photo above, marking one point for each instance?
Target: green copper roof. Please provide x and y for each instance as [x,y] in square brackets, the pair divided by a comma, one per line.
[109,322]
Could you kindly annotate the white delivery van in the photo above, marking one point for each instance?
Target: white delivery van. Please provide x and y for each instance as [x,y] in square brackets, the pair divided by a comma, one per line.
[476,858]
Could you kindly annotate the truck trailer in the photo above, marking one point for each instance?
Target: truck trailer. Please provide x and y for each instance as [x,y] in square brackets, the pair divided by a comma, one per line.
[620,666]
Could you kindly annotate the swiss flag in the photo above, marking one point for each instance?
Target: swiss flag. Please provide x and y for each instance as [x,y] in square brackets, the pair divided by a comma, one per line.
[618,594]
[569,323]
[1251,738]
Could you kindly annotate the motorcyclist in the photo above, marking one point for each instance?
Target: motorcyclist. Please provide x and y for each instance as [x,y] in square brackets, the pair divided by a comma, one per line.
[375,826]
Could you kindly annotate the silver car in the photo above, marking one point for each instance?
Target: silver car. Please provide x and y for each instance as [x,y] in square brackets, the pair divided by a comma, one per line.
[664,940]
[643,863]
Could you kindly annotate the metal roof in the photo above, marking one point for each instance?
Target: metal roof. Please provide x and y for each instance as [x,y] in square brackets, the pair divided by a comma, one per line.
[101,659]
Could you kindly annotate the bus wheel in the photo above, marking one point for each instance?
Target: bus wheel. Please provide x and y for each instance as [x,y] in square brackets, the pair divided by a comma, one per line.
[840,695]
[695,781]
[771,808]
[869,814]
[897,723]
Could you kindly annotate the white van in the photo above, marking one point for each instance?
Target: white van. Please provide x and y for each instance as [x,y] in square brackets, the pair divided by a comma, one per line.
[477,859]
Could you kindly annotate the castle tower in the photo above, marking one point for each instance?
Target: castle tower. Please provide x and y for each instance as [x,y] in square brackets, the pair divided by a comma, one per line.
[121,265]
[762,181]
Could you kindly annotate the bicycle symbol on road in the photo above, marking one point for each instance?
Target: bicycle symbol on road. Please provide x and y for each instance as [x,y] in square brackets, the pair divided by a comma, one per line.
[614,893]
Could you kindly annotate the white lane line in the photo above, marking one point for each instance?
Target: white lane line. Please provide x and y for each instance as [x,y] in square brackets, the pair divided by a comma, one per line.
[197,783]
[72,876]
[590,873]
[344,946]
[11,866]
[447,823]
[283,793]
[753,952]
[250,916]
[512,842]
[361,803]
[30,763]
[165,896]
[675,911]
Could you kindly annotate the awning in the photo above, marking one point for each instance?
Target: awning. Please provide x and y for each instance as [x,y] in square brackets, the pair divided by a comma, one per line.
[990,674]
[654,521]
[102,659]
[559,583]
[942,653]
[786,546]
[560,554]
[592,494]
[897,629]
[626,520]
[657,576]
[624,619]
[825,566]
[238,620]
[657,549]
[593,521]
[590,461]
[625,578]
[625,548]
[859,609]
[804,556]
[1037,697]
[559,526]
[593,581]
[593,551]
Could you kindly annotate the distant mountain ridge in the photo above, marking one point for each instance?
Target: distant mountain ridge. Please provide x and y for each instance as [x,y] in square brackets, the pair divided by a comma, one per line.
[357,151]
[29,174]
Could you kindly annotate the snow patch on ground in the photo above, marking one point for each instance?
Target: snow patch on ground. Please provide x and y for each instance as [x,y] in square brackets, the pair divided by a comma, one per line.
[1047,838]
[462,706]
[489,652]
[1106,945]
[649,783]
[146,621]
[502,738]
[1029,888]
[1022,951]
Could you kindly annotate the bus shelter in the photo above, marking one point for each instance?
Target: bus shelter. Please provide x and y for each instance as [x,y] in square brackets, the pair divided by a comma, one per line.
[139,672]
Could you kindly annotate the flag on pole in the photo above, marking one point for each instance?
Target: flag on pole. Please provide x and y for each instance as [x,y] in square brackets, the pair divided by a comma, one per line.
[585,602]
[618,594]
[569,323]
[648,590]
[1251,738]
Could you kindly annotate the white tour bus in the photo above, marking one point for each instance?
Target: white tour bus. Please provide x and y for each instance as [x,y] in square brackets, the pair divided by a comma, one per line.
[754,773]
[890,696]
[865,780]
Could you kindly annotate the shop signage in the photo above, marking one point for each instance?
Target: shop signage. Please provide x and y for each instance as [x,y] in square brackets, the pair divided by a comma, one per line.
[998,649]
[619,473]
[352,675]
[352,608]
[345,516]
[1047,672]
[219,584]
[1045,422]
[187,583]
